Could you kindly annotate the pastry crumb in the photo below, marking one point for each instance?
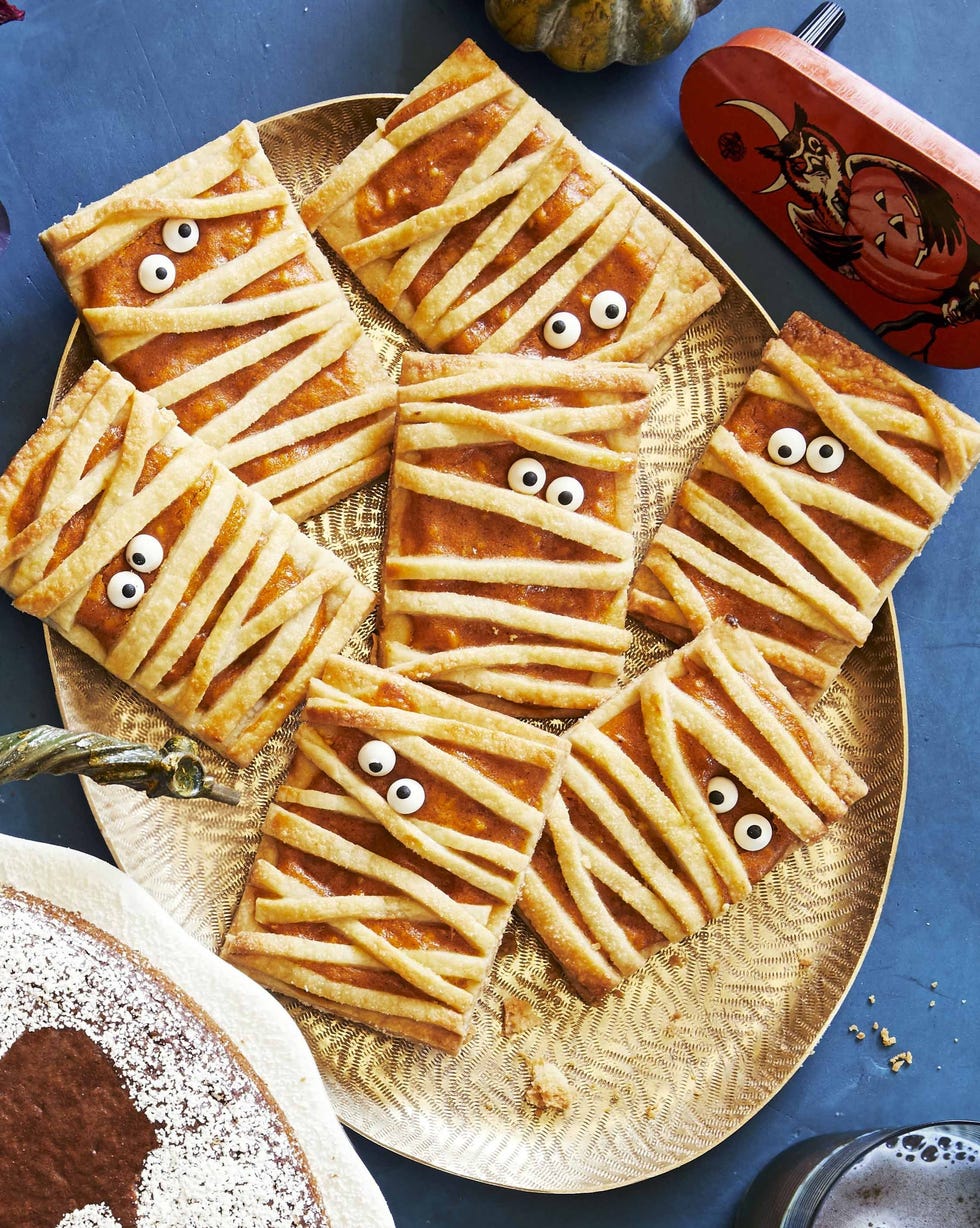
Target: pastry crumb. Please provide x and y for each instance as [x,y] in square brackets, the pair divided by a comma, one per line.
[933,984]
[549,1088]
[886,1038]
[871,998]
[519,1016]
[858,1034]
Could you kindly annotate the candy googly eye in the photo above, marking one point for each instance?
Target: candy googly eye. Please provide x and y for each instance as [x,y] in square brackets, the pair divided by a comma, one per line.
[156,274]
[144,553]
[125,589]
[753,832]
[526,476]
[376,758]
[562,330]
[181,234]
[406,796]
[607,309]
[825,454]
[722,794]
[787,446]
[567,493]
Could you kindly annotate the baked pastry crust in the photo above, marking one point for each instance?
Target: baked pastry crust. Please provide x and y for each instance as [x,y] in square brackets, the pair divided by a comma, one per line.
[239,612]
[492,591]
[473,215]
[804,559]
[634,855]
[254,348]
[393,919]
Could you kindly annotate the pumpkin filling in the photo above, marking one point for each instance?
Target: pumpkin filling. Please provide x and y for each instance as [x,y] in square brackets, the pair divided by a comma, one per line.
[113,282]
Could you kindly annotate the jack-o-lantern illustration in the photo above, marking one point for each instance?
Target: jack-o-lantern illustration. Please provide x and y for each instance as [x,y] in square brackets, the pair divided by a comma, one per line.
[895,258]
[877,220]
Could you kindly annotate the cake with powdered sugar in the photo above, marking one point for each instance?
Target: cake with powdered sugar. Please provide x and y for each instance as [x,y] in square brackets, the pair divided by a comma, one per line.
[121,1103]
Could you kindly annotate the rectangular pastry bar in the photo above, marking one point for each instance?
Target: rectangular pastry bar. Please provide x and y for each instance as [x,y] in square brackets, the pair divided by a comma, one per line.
[133,540]
[393,853]
[824,480]
[509,545]
[679,793]
[200,284]
[475,217]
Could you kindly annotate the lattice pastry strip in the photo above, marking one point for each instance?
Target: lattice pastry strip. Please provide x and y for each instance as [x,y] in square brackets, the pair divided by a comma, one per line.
[479,221]
[393,853]
[679,793]
[133,540]
[823,481]
[509,542]
[200,284]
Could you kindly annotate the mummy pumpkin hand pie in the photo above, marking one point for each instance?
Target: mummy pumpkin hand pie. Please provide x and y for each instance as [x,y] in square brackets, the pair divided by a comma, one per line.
[509,546]
[679,793]
[200,284]
[393,853]
[824,480]
[133,541]
[479,221]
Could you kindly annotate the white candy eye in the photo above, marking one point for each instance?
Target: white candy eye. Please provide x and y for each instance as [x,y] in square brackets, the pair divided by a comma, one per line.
[144,553]
[376,758]
[825,454]
[125,589]
[406,796]
[562,330]
[787,446]
[753,832]
[526,476]
[607,309]
[156,274]
[722,794]
[181,234]
[567,493]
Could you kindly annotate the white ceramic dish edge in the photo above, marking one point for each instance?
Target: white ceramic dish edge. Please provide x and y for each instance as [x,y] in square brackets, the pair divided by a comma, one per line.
[251,1017]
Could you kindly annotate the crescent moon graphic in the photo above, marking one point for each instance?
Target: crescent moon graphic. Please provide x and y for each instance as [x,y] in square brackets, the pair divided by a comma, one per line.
[779,130]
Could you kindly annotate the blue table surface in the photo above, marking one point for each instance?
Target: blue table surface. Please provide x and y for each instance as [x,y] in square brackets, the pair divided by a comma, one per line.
[96,92]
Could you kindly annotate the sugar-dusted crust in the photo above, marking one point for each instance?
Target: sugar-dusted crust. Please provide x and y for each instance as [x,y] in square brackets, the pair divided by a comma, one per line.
[61,977]
[236,618]
[805,559]
[496,593]
[386,918]
[254,348]
[634,856]
[473,215]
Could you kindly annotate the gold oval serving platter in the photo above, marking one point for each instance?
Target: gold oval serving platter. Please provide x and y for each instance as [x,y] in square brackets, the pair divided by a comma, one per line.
[687,1049]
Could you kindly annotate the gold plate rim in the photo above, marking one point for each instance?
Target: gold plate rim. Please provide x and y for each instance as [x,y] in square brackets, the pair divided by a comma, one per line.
[533,1154]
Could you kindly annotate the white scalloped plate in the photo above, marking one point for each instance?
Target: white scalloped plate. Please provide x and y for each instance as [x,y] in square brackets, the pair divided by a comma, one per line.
[249,1016]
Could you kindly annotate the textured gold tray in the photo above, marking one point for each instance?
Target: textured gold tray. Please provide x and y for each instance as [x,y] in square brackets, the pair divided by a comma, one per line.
[698,1041]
